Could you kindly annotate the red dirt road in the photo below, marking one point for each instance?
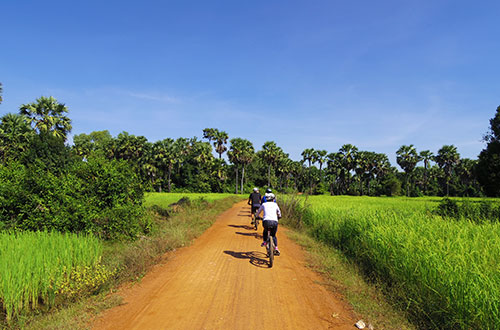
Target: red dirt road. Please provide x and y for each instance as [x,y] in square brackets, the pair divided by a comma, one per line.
[222,281]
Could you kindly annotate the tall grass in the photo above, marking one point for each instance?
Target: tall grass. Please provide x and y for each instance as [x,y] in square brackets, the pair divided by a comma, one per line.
[165,199]
[445,273]
[33,266]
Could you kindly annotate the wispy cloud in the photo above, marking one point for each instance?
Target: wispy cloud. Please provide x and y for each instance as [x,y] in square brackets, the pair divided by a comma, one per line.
[159,97]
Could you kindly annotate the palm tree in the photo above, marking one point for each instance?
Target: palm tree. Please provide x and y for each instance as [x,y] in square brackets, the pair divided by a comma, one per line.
[218,137]
[163,153]
[447,158]
[241,153]
[407,158]
[321,157]
[347,155]
[426,156]
[271,154]
[333,171]
[47,116]
[130,147]
[308,155]
[361,163]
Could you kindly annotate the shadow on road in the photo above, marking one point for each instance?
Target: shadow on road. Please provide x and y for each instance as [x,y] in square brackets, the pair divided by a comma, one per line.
[254,234]
[258,259]
[247,227]
[244,214]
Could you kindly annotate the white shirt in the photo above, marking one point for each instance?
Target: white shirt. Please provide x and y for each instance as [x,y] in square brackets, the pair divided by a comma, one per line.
[271,211]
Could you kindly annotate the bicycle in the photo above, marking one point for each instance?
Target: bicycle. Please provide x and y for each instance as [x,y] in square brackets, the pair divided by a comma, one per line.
[270,247]
[256,221]
[255,218]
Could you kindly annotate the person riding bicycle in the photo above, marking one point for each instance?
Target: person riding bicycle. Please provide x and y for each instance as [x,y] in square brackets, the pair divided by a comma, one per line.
[272,214]
[254,201]
[264,199]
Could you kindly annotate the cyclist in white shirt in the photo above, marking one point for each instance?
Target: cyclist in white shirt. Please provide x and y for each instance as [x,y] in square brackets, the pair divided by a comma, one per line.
[272,214]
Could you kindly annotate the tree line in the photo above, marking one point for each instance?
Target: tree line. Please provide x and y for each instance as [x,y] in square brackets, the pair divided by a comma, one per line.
[38,134]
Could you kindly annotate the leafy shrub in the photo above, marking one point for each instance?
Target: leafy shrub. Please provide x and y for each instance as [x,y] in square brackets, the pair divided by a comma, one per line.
[448,208]
[98,196]
[479,212]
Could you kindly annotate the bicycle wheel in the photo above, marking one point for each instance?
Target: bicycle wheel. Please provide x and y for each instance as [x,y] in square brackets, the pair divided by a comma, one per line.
[271,249]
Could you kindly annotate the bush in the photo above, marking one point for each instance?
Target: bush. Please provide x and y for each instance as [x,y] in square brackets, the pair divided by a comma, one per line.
[99,196]
[448,208]
[478,212]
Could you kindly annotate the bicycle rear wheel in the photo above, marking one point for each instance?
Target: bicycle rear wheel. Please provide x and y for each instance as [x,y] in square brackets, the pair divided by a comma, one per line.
[271,249]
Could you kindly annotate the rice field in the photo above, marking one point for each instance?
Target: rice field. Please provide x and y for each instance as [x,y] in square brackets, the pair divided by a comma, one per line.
[445,273]
[165,199]
[35,265]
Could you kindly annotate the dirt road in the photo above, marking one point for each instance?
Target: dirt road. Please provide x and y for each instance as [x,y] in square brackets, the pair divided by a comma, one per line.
[223,281]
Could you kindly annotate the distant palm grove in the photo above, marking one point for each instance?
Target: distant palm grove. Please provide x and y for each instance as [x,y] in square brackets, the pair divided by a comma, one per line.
[44,179]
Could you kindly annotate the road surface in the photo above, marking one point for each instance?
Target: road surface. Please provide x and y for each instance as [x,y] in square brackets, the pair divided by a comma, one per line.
[222,281]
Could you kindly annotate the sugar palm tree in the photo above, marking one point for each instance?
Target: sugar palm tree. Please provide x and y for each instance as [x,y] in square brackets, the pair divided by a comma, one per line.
[347,155]
[447,158]
[426,156]
[240,153]
[271,154]
[407,158]
[163,154]
[219,139]
[47,116]
[308,155]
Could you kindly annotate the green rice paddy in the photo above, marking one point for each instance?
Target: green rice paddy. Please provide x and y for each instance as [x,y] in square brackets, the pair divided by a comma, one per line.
[445,273]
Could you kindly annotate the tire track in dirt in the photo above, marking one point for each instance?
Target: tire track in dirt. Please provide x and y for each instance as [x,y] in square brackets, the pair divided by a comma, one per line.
[222,281]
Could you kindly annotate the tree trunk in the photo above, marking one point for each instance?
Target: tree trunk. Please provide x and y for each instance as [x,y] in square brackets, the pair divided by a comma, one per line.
[242,177]
[236,183]
[169,180]
[269,176]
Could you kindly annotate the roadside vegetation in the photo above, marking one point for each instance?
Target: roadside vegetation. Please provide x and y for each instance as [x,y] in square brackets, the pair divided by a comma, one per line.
[442,272]
[66,276]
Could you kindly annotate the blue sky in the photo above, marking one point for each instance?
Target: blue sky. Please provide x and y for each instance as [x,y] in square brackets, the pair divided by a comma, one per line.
[376,74]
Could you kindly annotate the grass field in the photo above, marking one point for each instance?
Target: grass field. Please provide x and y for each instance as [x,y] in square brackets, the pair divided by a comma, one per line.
[37,265]
[444,272]
[38,269]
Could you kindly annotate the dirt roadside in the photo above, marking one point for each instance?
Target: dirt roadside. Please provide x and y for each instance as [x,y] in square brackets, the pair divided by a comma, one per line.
[222,281]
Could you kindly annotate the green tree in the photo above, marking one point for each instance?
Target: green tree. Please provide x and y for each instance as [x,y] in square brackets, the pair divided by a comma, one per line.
[347,158]
[407,158]
[15,134]
[488,167]
[271,154]
[47,116]
[426,156]
[334,172]
[240,153]
[447,159]
[309,155]
[99,143]
[165,158]
[219,139]
[361,164]
[321,157]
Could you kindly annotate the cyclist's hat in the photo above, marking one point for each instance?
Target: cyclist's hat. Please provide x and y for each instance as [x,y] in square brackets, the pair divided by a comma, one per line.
[255,189]
[270,197]
[268,190]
